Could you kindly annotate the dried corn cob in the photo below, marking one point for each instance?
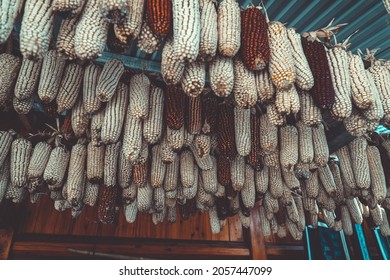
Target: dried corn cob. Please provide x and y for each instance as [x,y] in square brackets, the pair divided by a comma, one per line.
[114,10]
[125,168]
[323,92]
[28,78]
[147,41]
[6,138]
[130,211]
[293,229]
[51,75]
[339,195]
[327,180]
[20,157]
[17,195]
[39,158]
[107,205]
[157,169]
[152,128]
[274,117]
[305,137]
[229,28]
[23,106]
[91,194]
[70,87]
[194,78]
[8,75]
[276,186]
[9,12]
[91,32]
[132,137]
[262,179]
[264,87]
[264,223]
[159,16]
[320,145]
[91,77]
[362,95]
[225,131]
[159,200]
[129,194]
[109,80]
[96,127]
[223,170]
[190,193]
[290,180]
[378,180]
[281,64]
[356,124]
[238,172]
[167,153]
[324,200]
[375,112]
[56,166]
[172,175]
[288,147]
[174,106]
[354,210]
[172,68]
[221,76]
[140,173]
[80,120]
[175,138]
[209,178]
[4,177]
[131,27]
[36,29]
[111,164]
[381,76]
[194,119]
[114,115]
[384,227]
[272,159]
[210,113]
[242,128]
[359,160]
[376,215]
[208,30]
[76,174]
[202,145]
[268,135]
[347,174]
[65,38]
[346,220]
[248,191]
[95,158]
[255,156]
[312,185]
[214,221]
[244,88]
[139,96]
[310,114]
[186,29]
[287,101]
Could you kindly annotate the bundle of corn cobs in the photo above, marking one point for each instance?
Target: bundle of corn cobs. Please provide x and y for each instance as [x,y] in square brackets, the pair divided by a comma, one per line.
[250,138]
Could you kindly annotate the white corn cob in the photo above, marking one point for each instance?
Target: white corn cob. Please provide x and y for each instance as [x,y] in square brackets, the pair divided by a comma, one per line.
[264,223]
[287,101]
[15,194]
[51,75]
[381,76]
[20,157]
[187,169]
[91,194]
[378,180]
[38,161]
[320,145]
[109,80]
[310,114]
[111,164]
[238,172]
[202,145]
[153,126]
[148,42]
[167,153]
[324,200]
[301,212]
[272,159]
[268,135]
[276,185]
[159,199]
[96,127]
[271,205]
[95,158]
[384,227]
[56,166]
[339,196]
[274,117]
[23,106]
[158,168]
[79,118]
[139,96]
[65,38]
[28,78]
[354,210]
[129,194]
[356,124]
[327,180]
[339,69]
[346,220]
[114,115]
[36,29]
[131,26]
[114,10]
[221,75]
[293,229]
[312,185]
[305,139]
[347,174]
[125,170]
[242,130]
[209,178]
[229,28]
[214,221]
[76,174]
[132,137]
[145,198]
[10,66]
[359,160]
[290,180]
[362,95]
[194,79]
[190,193]
[9,10]
[208,30]
[171,175]
[130,211]
[70,87]
[244,88]
[262,179]
[171,67]
[91,32]
[5,177]
[91,77]
[186,29]
[5,145]
[304,77]
[175,138]
[288,147]
[248,191]
[264,87]
[281,64]
[375,112]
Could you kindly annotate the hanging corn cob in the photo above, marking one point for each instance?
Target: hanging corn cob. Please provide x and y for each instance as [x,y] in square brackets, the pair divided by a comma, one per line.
[17,195]
[341,192]
[254,157]
[281,64]
[268,135]
[209,178]
[107,205]
[114,115]
[381,76]
[131,26]
[171,68]
[147,41]
[6,139]
[186,29]
[225,133]
[91,32]
[4,177]
[57,165]
[111,164]
[310,114]
[242,128]
[65,38]
[221,75]
[91,194]
[327,180]
[174,106]
[354,210]
[288,147]
[96,127]
[375,112]
[68,8]
[109,79]
[114,10]
[361,93]
[70,87]
[287,101]
[244,88]
[290,180]
[356,124]
[347,175]
[9,11]
[262,179]
[208,30]
[304,77]
[378,180]
[125,170]
[91,77]
[95,158]
[10,66]
[264,87]
[132,137]
[51,75]
[80,120]
[23,106]
[360,166]
[36,168]
[139,96]
[229,28]
[157,169]
[175,138]
[172,175]
[323,92]
[153,124]
[187,169]
[320,145]
[238,172]
[202,145]
[76,174]
[159,16]
[28,78]
[167,153]
[248,192]
[194,79]
[276,185]
[20,157]
[194,118]
[254,39]
[36,29]
[305,137]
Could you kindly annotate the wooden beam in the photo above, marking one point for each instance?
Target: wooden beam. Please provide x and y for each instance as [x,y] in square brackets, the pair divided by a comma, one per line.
[256,238]
[5,242]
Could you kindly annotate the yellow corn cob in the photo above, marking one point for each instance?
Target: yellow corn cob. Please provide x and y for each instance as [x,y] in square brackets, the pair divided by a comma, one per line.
[148,42]
[268,135]
[208,30]
[109,80]
[244,88]
[304,77]
[362,95]
[274,117]
[139,96]
[91,32]
[111,164]
[229,28]
[281,65]
[76,174]
[238,172]
[194,78]
[158,168]
[242,130]
[132,136]
[262,179]
[186,29]
[28,78]
[171,175]
[360,166]
[131,26]
[327,180]
[36,29]
[152,129]
[221,75]
[287,101]
[175,138]
[70,87]
[265,88]
[20,157]
[375,112]
[320,145]
[171,67]
[8,75]
[65,38]
[51,76]
[79,119]
[9,11]
[288,147]
[310,114]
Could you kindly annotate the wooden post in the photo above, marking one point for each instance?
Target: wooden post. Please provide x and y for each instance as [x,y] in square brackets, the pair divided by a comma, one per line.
[256,238]
[5,242]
